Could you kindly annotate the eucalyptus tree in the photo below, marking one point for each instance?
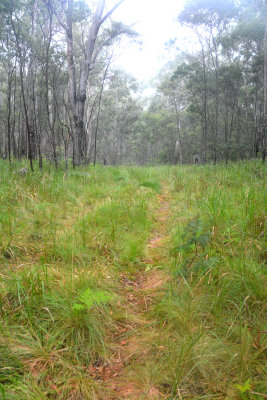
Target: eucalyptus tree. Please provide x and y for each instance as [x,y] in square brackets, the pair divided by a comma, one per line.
[78,82]
[226,86]
[175,92]
[23,30]
[229,84]
[209,20]
[120,110]
[9,68]
[244,44]
[265,87]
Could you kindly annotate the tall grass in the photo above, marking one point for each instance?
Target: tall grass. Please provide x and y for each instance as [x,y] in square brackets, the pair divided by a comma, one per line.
[213,315]
[66,243]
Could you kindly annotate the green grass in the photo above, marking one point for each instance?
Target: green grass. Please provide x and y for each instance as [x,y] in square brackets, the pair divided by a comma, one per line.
[214,312]
[65,242]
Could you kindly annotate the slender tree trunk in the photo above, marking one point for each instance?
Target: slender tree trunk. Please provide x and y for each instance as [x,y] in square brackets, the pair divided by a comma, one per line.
[216,112]
[265,88]
[99,107]
[72,83]
[178,153]
[21,64]
[19,128]
[216,66]
[226,152]
[257,127]
[205,124]
[32,87]
[21,72]
[14,144]
[50,120]
[9,85]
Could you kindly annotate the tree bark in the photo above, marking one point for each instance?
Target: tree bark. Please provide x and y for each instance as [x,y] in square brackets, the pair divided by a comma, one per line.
[9,85]
[78,95]
[99,107]
[21,72]
[178,153]
[32,88]
[205,123]
[265,88]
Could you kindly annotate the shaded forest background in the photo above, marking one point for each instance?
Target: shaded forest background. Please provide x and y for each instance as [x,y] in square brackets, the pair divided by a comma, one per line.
[61,97]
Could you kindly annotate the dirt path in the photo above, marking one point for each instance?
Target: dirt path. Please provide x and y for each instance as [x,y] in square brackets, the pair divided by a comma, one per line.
[122,375]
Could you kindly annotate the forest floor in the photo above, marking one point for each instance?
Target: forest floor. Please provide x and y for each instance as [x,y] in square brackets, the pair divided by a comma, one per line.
[133,283]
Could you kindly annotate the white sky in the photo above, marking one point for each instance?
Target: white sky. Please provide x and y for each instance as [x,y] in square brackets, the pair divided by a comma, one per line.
[156,22]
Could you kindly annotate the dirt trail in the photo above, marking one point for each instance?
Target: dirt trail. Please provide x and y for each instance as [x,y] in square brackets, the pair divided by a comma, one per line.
[121,375]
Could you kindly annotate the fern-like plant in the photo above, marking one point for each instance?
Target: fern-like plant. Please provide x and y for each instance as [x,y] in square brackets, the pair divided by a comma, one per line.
[89,298]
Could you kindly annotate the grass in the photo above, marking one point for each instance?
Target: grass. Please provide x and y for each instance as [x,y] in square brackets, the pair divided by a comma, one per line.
[214,310]
[66,243]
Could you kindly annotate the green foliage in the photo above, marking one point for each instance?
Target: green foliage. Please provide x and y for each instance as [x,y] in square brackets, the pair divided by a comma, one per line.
[195,233]
[245,387]
[152,185]
[208,12]
[89,297]
[81,11]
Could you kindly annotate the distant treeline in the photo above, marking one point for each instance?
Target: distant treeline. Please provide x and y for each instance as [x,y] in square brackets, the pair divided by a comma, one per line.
[60,97]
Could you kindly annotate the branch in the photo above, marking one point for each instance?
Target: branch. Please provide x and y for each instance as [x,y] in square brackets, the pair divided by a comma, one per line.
[98,96]
[48,3]
[111,11]
[105,43]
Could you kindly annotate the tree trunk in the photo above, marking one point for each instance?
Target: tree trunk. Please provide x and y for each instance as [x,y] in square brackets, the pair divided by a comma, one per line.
[77,101]
[32,89]
[205,124]
[99,107]
[51,117]
[78,96]
[9,86]
[14,144]
[178,153]
[21,72]
[265,88]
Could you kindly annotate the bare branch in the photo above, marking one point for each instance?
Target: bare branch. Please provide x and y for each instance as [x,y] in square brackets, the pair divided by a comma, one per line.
[48,3]
[111,11]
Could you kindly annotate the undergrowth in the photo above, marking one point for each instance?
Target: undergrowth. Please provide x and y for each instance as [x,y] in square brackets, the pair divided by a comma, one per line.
[66,243]
[213,315]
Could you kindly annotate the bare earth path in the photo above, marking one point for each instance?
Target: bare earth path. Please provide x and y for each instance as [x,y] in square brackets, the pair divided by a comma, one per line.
[122,375]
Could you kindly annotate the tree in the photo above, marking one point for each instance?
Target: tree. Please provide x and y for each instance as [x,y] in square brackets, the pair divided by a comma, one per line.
[175,92]
[265,88]
[78,96]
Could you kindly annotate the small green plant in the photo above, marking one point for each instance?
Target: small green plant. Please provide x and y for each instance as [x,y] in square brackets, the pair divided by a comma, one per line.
[152,185]
[89,297]
[245,387]
[244,390]
[195,234]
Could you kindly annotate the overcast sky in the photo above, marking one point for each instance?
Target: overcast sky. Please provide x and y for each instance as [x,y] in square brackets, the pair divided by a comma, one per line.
[156,22]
